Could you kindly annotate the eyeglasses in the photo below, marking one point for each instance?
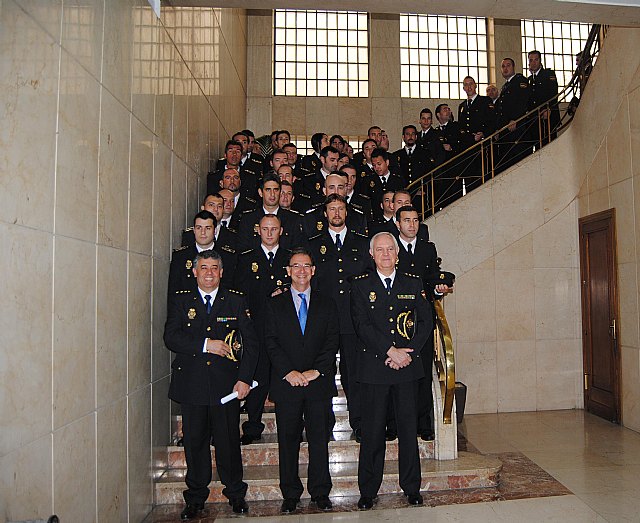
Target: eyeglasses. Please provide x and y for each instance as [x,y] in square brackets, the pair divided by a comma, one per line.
[304,266]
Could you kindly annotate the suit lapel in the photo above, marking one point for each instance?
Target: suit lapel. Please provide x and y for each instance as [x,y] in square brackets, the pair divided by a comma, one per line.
[291,312]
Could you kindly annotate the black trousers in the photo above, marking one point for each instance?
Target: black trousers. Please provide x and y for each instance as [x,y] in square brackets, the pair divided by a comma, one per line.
[373,446]
[291,415]
[348,369]
[199,424]
[256,398]
[425,395]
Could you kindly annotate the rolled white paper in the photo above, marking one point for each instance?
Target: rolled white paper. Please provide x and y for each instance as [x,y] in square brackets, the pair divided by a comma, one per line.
[234,394]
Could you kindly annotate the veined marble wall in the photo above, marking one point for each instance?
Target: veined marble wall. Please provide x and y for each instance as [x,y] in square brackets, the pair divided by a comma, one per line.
[109,121]
[514,244]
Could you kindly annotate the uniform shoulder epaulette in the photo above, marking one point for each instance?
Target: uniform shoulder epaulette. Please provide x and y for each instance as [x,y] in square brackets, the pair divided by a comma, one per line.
[226,248]
[361,276]
[187,229]
[236,292]
[361,235]
[232,230]
[315,236]
[247,211]
[185,291]
[178,249]
[313,209]
[297,213]
[365,196]
[411,275]
[252,200]
[303,195]
[357,210]
[246,252]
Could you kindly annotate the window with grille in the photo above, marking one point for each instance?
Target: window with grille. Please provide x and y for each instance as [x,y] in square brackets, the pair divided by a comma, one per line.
[321,53]
[437,52]
[558,42]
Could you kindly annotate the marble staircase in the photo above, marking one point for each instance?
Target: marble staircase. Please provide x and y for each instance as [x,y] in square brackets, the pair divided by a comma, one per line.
[260,460]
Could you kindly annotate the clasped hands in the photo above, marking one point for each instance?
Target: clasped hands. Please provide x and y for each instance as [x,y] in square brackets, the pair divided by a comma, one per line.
[301,379]
[398,357]
[218,347]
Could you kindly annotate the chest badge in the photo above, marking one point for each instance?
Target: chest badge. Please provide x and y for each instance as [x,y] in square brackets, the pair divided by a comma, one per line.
[319,226]
[191,314]
[256,228]
[254,267]
[189,264]
[372,297]
[323,249]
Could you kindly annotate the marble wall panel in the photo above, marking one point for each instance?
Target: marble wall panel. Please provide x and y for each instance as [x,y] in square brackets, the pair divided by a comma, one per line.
[113,174]
[597,173]
[47,14]
[141,189]
[28,102]
[476,306]
[26,323]
[383,81]
[111,333]
[289,112]
[555,242]
[559,373]
[140,495]
[385,112]
[322,114]
[619,145]
[161,201]
[599,201]
[621,198]
[518,255]
[476,368]
[261,83]
[557,304]
[77,160]
[515,299]
[630,359]
[352,112]
[180,116]
[628,297]
[179,217]
[82,33]
[160,418]
[26,492]
[160,356]
[139,322]
[74,336]
[112,462]
[118,49]
[516,374]
[259,114]
[74,470]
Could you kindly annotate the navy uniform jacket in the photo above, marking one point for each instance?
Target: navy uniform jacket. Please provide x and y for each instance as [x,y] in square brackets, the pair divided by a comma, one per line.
[513,100]
[314,221]
[226,238]
[431,142]
[390,226]
[250,176]
[200,378]
[543,87]
[249,237]
[375,319]
[361,203]
[480,117]
[376,189]
[418,164]
[257,280]
[335,269]
[289,349]
[181,274]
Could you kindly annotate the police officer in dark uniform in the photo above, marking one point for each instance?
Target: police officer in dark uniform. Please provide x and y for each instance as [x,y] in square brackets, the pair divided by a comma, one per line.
[413,161]
[259,273]
[477,117]
[181,268]
[355,200]
[340,254]
[382,181]
[248,233]
[201,329]
[513,144]
[364,168]
[315,219]
[543,87]
[428,137]
[419,257]
[393,320]
[225,238]
[310,164]
[448,182]
[313,184]
[232,181]
[233,154]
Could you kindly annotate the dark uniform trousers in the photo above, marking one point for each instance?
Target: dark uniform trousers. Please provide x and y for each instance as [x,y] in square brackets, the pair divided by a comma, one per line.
[512,103]
[543,86]
[257,279]
[376,314]
[199,380]
[334,270]
[474,117]
[289,349]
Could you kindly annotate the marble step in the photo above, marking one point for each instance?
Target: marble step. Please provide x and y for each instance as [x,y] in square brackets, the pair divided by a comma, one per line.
[265,451]
[467,471]
[269,420]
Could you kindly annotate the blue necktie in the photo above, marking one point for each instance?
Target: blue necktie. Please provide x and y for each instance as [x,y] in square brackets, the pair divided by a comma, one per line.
[387,282]
[270,259]
[338,242]
[302,313]
[207,298]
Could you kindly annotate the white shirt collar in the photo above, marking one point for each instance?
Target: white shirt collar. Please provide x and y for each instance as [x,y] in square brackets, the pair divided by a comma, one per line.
[412,242]
[271,212]
[342,234]
[382,277]
[200,249]
[213,295]
[266,251]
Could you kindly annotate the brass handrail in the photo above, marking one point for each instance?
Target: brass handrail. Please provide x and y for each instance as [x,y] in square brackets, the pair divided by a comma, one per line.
[449,173]
[444,361]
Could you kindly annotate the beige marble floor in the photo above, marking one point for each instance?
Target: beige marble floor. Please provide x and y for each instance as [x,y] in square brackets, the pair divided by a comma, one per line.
[599,462]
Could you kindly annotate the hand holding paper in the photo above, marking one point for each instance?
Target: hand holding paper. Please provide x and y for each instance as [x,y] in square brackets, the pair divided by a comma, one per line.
[234,394]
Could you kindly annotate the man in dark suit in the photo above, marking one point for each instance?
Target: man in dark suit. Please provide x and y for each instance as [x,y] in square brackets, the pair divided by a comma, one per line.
[232,181]
[356,200]
[181,268]
[419,257]
[413,161]
[248,171]
[301,336]
[259,273]
[513,144]
[313,184]
[199,330]
[448,181]
[428,137]
[225,238]
[543,87]
[341,254]
[392,319]
[477,119]
[383,180]
[248,231]
[310,164]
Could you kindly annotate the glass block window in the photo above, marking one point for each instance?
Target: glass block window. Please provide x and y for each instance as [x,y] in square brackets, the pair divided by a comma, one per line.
[437,52]
[321,53]
[558,42]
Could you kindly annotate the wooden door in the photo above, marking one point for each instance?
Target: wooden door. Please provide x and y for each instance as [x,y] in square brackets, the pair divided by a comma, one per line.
[601,353]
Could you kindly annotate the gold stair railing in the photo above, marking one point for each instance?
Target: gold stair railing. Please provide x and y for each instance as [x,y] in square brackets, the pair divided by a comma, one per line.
[481,161]
[444,361]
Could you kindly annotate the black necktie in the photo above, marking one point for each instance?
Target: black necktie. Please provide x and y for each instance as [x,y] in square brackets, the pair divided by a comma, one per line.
[224,223]
[270,259]
[387,282]
[468,104]
[338,242]
[409,153]
[207,299]
[410,248]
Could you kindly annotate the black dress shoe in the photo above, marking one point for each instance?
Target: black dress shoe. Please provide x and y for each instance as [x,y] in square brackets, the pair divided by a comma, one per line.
[427,435]
[322,502]
[389,435]
[365,503]
[239,505]
[414,498]
[190,511]
[289,505]
[247,439]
